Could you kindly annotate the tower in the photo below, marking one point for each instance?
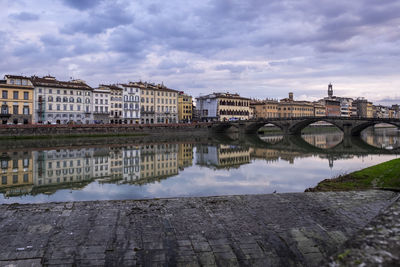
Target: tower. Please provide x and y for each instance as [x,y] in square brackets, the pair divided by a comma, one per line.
[330,90]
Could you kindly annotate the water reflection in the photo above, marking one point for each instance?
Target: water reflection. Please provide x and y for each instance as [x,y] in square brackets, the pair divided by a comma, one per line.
[244,165]
[388,138]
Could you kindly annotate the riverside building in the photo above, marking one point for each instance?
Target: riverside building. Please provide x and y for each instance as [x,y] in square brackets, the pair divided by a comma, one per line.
[131,103]
[159,104]
[185,107]
[16,100]
[62,102]
[101,105]
[223,107]
[116,103]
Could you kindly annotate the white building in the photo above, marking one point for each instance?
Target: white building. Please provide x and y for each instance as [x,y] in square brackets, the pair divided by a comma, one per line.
[131,103]
[101,105]
[60,102]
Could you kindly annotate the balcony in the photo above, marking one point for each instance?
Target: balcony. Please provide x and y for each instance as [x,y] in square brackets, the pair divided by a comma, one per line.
[5,115]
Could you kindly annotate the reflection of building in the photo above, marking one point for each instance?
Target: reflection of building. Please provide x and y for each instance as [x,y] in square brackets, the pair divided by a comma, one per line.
[131,165]
[16,100]
[158,162]
[116,163]
[222,156]
[185,156]
[324,141]
[223,106]
[55,167]
[16,173]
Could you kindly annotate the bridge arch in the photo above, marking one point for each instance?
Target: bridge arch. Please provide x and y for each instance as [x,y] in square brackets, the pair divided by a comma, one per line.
[356,131]
[299,126]
[254,127]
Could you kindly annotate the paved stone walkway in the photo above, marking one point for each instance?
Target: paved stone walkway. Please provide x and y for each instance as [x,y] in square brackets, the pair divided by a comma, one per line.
[378,244]
[296,229]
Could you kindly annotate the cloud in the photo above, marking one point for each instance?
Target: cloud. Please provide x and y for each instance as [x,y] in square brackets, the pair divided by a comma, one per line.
[24,16]
[82,4]
[99,20]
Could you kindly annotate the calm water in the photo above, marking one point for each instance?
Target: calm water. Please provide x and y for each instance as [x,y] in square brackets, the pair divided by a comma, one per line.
[223,165]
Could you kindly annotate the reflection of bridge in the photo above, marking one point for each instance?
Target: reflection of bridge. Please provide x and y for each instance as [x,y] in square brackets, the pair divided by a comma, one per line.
[293,126]
[350,145]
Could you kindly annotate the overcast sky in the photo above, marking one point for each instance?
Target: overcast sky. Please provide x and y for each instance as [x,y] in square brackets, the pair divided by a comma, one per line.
[256,48]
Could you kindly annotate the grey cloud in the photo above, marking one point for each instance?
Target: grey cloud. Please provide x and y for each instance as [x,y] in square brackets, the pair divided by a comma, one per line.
[26,50]
[98,21]
[82,4]
[232,68]
[24,16]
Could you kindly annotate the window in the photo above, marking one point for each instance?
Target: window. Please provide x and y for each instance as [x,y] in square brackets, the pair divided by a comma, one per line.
[3,179]
[15,94]
[26,95]
[58,99]
[50,107]
[58,106]
[15,109]
[26,110]
[4,94]
[50,98]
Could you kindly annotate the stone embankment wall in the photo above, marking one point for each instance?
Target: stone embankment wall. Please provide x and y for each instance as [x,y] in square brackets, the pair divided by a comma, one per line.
[296,229]
[98,129]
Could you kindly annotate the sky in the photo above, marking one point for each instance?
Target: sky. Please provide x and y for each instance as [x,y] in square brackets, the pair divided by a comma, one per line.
[257,48]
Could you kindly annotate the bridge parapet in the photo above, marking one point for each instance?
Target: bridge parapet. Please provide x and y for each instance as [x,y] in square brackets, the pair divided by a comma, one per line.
[293,126]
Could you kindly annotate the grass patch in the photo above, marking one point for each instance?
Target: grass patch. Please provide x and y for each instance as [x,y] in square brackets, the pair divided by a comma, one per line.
[384,175]
[63,136]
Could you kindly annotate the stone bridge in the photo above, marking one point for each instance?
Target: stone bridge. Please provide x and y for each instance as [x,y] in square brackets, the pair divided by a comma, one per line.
[293,126]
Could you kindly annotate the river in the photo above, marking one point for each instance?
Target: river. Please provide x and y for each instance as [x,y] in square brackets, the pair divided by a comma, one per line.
[219,165]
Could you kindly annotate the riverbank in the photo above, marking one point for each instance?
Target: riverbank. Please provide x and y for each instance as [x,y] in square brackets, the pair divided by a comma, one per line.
[293,229]
[384,176]
[17,132]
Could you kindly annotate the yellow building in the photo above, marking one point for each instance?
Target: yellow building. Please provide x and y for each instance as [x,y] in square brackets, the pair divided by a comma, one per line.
[16,100]
[319,110]
[16,173]
[370,110]
[185,155]
[185,105]
[158,104]
[288,108]
[265,109]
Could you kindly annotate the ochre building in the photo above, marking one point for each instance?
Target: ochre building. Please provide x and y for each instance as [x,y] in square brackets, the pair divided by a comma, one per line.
[16,100]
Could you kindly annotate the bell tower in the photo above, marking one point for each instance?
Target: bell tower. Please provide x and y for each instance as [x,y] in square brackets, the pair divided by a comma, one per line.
[330,90]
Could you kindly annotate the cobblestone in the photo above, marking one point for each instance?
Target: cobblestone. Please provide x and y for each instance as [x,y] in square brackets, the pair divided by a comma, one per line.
[296,229]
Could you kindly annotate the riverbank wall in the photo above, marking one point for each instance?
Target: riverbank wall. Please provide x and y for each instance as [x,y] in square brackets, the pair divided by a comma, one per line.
[40,131]
[292,229]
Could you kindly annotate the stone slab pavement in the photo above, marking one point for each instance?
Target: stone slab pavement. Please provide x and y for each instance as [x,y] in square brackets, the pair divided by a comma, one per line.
[293,229]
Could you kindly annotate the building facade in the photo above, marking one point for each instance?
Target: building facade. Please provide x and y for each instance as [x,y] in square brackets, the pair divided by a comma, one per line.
[62,102]
[185,107]
[265,108]
[101,105]
[223,107]
[16,100]
[131,103]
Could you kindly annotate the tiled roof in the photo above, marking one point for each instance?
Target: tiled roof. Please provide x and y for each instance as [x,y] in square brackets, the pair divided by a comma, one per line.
[52,82]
